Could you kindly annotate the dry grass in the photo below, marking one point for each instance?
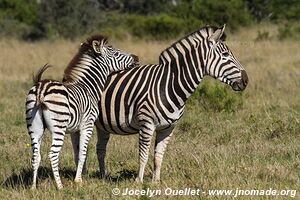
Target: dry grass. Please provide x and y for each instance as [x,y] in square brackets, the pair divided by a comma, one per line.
[255,147]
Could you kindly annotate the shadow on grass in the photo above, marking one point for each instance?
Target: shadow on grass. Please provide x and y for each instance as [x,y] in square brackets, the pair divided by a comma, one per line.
[23,179]
[122,175]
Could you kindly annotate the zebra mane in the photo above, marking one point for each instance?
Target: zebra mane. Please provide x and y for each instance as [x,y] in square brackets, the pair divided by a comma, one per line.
[205,31]
[85,48]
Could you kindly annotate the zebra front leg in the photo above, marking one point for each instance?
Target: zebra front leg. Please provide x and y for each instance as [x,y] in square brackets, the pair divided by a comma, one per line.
[102,141]
[85,135]
[161,142]
[145,135]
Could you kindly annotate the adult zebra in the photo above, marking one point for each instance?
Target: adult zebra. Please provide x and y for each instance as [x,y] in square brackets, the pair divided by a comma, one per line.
[152,97]
[72,105]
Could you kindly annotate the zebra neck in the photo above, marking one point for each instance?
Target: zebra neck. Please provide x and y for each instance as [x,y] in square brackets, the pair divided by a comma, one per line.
[185,74]
[89,74]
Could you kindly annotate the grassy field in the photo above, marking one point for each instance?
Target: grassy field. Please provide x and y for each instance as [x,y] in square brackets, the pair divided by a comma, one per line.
[255,146]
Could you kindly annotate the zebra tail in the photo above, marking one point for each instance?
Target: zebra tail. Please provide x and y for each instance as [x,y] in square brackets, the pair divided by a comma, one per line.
[37,77]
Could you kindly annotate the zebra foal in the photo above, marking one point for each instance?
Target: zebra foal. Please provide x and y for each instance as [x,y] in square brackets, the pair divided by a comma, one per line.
[152,98]
[72,105]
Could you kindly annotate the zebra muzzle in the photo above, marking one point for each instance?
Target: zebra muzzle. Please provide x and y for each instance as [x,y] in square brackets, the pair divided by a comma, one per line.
[241,84]
[135,59]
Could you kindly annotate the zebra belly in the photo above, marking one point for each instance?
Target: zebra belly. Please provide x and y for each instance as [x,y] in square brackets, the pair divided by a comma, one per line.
[119,123]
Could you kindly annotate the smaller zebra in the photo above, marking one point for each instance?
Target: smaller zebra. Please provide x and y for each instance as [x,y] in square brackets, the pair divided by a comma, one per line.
[71,105]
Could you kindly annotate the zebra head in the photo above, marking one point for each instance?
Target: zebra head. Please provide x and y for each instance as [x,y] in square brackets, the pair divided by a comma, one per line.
[115,59]
[221,63]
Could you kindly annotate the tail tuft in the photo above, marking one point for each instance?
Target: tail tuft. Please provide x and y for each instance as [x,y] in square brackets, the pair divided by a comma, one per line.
[37,77]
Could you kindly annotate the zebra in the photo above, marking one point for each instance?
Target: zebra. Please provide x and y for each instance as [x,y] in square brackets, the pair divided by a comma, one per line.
[152,97]
[71,105]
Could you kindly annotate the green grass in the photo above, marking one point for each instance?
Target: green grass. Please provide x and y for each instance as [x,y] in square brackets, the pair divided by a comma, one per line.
[245,141]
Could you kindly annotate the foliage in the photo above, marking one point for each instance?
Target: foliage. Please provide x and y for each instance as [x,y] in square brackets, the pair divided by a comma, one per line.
[155,19]
[275,10]
[156,27]
[66,18]
[16,17]
[217,98]
[289,31]
[262,35]
[234,12]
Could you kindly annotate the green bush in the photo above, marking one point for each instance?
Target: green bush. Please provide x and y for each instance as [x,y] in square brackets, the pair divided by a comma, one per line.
[155,27]
[234,13]
[154,19]
[67,19]
[262,35]
[217,97]
[17,17]
[289,31]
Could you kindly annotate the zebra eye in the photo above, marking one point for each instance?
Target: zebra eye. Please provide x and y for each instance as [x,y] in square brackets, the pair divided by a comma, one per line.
[225,54]
[116,53]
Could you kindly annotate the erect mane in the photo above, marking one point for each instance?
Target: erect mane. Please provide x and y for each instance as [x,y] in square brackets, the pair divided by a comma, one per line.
[85,48]
[205,31]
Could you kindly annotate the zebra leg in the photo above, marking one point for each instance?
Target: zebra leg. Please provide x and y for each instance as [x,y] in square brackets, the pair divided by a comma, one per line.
[161,142]
[85,135]
[75,144]
[58,130]
[145,135]
[36,130]
[57,142]
[102,141]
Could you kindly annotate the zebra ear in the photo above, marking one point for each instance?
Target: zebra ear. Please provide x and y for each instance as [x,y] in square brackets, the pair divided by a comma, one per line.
[97,46]
[217,35]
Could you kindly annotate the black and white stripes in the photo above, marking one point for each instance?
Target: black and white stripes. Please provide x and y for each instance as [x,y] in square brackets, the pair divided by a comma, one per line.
[152,97]
[71,105]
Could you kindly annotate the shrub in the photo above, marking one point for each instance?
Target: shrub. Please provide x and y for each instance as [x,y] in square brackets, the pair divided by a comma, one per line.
[289,31]
[17,17]
[155,27]
[68,19]
[234,13]
[262,35]
[217,97]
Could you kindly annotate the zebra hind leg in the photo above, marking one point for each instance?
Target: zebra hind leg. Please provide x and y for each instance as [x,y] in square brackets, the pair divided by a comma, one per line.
[145,135]
[102,141]
[57,125]
[35,129]
[75,144]
[161,142]
[85,135]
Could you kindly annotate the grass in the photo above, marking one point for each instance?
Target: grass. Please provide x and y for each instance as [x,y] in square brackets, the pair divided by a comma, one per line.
[255,145]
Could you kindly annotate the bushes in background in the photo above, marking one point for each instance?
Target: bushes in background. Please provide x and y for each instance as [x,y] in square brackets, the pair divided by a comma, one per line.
[154,19]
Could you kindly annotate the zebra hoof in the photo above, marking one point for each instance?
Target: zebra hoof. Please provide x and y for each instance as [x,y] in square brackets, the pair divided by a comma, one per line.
[78,180]
[102,176]
[155,181]
[138,180]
